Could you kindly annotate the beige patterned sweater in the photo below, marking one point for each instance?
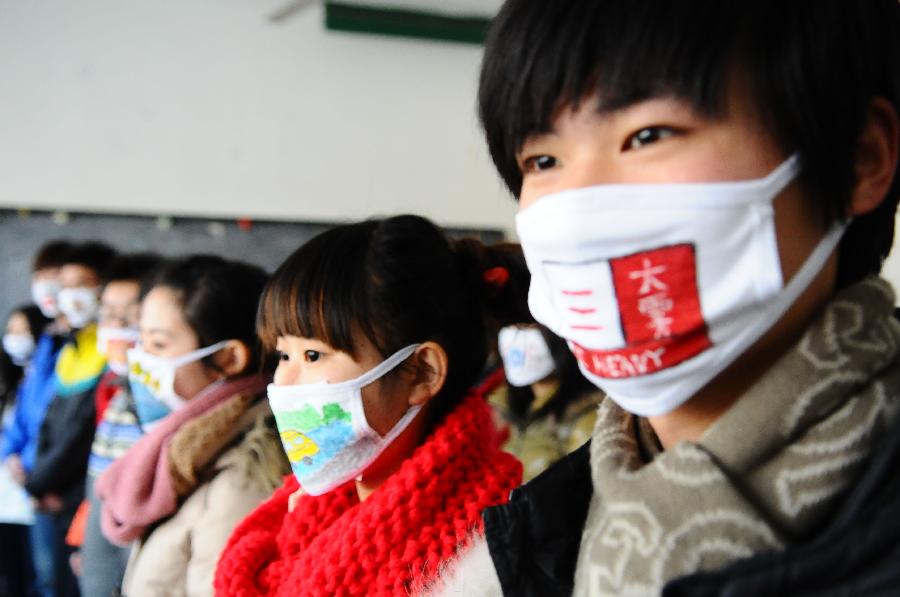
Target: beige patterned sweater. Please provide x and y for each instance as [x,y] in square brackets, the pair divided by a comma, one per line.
[767,474]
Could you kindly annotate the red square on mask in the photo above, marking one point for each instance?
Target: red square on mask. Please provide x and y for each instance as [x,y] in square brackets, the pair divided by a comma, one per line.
[659,310]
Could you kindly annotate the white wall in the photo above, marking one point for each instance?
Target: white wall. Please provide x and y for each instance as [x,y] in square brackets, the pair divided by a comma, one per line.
[203,107]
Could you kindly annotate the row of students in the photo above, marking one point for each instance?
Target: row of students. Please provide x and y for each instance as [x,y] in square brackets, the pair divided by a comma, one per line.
[186,444]
[711,265]
[47,453]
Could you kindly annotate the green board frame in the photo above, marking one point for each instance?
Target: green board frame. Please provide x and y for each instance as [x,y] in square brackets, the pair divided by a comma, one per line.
[340,16]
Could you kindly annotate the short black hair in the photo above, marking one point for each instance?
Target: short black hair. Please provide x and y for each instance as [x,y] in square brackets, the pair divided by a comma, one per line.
[91,254]
[134,267]
[218,298]
[51,254]
[812,67]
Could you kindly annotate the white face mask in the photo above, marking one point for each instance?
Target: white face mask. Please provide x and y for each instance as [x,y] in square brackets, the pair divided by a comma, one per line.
[19,347]
[324,430]
[659,287]
[152,381]
[525,355]
[79,305]
[45,295]
[127,336]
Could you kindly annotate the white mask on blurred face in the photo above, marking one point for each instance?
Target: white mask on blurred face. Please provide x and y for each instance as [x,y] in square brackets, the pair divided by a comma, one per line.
[19,347]
[526,357]
[45,294]
[152,381]
[79,305]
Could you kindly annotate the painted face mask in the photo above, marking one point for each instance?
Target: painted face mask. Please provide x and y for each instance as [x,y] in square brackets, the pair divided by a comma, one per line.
[45,293]
[79,305]
[19,347]
[324,430]
[127,336]
[525,355]
[659,287]
[152,381]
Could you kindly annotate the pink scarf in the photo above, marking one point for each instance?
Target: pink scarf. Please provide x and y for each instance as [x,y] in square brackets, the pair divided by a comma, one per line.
[136,489]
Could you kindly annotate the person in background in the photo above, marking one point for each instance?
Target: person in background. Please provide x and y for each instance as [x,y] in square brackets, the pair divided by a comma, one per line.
[548,404]
[101,563]
[380,327]
[19,443]
[56,480]
[23,329]
[210,452]
[45,283]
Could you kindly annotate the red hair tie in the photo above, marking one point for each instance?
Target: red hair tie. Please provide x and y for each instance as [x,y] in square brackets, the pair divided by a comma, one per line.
[496,276]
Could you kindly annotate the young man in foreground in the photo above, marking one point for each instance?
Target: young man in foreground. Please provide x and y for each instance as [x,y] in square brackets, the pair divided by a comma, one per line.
[707,193]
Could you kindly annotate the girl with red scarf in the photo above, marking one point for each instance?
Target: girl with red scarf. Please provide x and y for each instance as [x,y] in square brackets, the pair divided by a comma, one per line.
[381,329]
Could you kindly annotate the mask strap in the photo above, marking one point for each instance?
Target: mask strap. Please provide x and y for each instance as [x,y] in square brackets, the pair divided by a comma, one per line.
[201,353]
[782,176]
[792,290]
[385,366]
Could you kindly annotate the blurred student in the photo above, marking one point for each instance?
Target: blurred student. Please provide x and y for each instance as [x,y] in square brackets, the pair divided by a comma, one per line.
[20,441]
[56,479]
[210,452]
[45,282]
[380,327]
[548,405]
[23,329]
[102,564]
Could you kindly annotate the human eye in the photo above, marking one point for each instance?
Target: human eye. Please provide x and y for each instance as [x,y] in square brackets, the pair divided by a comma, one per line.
[648,135]
[537,163]
[311,356]
[283,356]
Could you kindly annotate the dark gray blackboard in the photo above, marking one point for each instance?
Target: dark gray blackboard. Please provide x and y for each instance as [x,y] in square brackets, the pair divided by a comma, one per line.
[265,243]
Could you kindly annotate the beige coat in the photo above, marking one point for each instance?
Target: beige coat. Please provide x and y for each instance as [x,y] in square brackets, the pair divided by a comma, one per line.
[179,556]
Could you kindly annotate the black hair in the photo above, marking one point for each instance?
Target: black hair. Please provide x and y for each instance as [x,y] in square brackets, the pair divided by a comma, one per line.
[132,267]
[398,281]
[218,298]
[51,255]
[812,69]
[37,322]
[94,255]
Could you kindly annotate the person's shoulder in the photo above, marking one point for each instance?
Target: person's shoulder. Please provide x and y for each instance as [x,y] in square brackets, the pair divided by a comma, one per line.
[856,553]
[255,465]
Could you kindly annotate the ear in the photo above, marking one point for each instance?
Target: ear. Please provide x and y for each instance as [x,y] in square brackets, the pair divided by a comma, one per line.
[876,157]
[431,373]
[233,358]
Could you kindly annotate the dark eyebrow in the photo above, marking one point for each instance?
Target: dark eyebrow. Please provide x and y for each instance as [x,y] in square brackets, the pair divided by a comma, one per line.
[536,135]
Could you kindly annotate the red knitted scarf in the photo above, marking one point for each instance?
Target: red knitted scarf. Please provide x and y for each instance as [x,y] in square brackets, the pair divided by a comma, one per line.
[391,544]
